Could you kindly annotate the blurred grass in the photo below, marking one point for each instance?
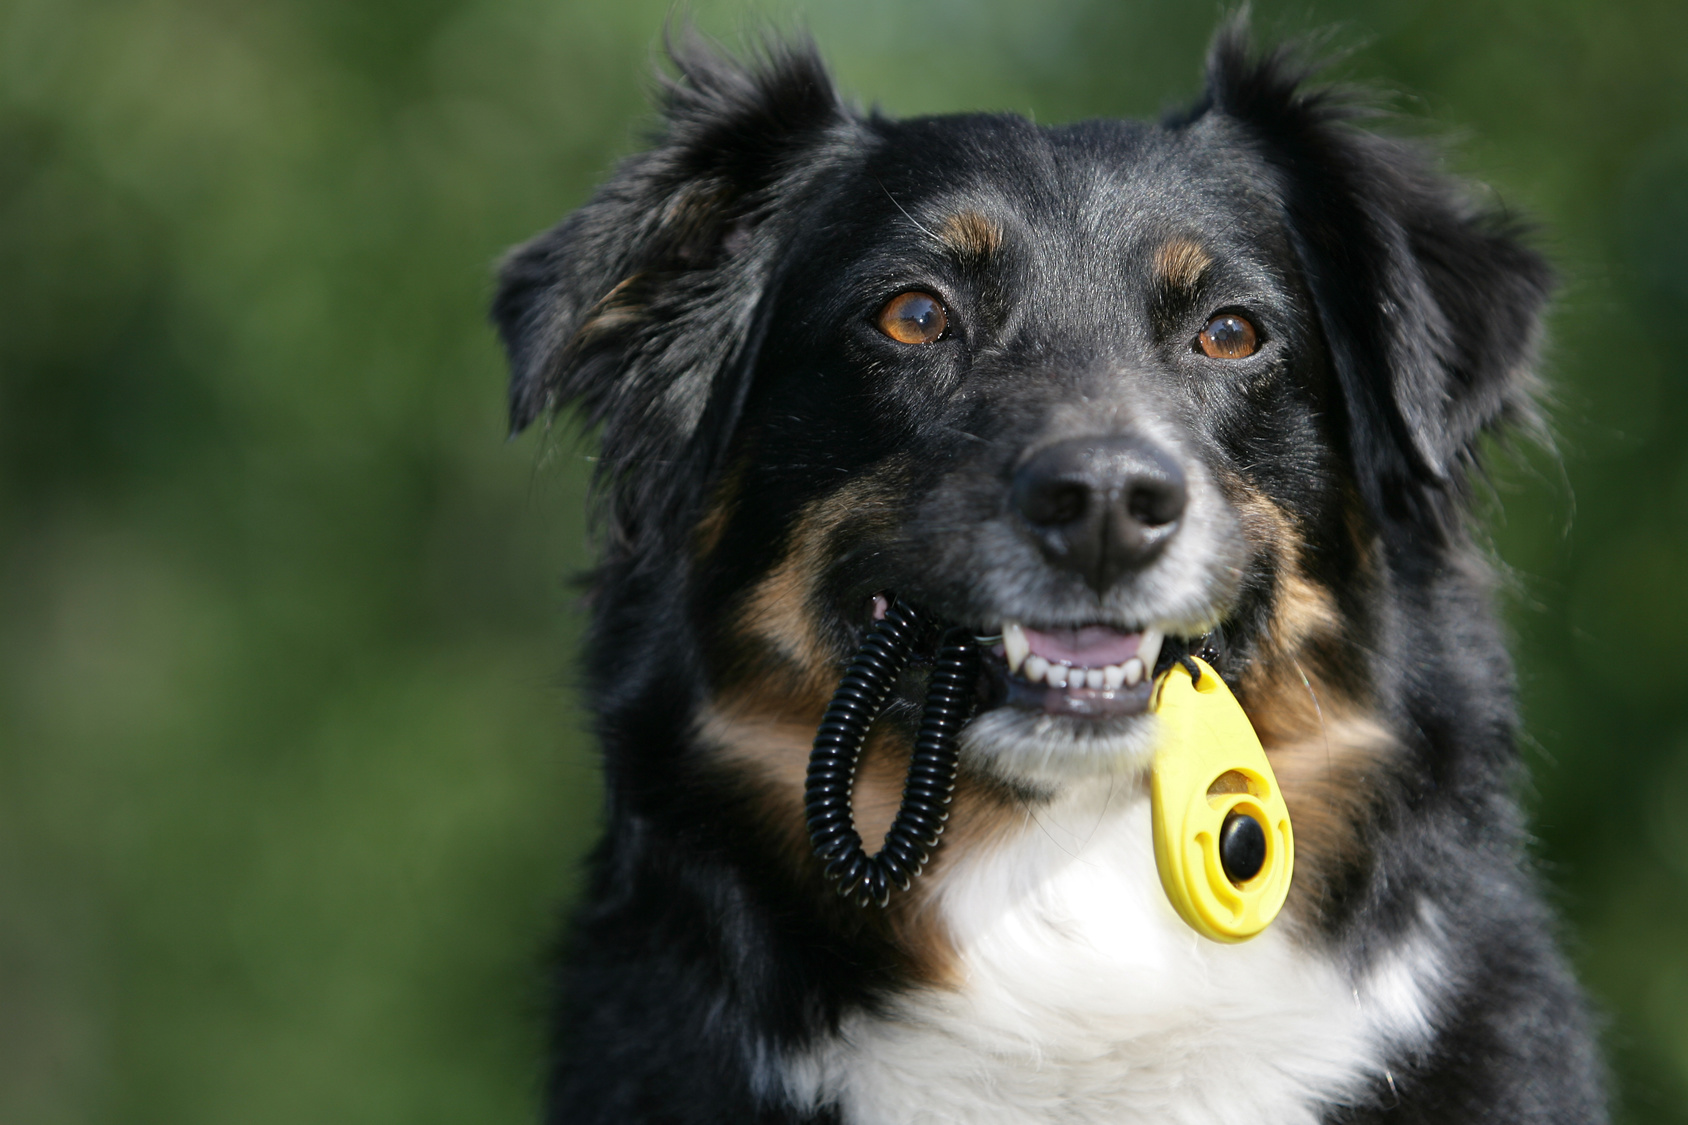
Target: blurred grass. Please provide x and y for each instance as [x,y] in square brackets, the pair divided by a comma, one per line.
[291,780]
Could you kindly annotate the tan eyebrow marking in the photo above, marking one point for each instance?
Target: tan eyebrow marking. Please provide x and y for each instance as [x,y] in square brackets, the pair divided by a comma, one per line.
[971,234]
[1180,262]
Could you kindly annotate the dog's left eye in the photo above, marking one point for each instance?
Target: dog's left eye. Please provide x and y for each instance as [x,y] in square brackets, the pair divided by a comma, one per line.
[913,318]
[1228,336]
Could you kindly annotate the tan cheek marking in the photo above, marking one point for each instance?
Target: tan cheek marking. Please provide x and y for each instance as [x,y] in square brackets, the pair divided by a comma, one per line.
[879,787]
[763,727]
[1265,524]
[971,234]
[773,750]
[1180,262]
[1329,751]
[772,746]
[776,612]
[776,748]
[1329,754]
[1302,610]
[775,616]
[1330,783]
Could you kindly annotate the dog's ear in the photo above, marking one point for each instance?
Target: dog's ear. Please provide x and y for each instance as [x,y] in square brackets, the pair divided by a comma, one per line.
[638,307]
[1431,307]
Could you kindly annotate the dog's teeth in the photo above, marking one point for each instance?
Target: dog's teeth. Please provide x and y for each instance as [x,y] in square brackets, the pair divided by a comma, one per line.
[1035,668]
[1133,672]
[1014,644]
[1113,676]
[1148,649]
[1094,678]
[1057,675]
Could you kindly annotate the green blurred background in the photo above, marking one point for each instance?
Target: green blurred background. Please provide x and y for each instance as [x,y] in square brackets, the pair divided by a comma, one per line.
[292,786]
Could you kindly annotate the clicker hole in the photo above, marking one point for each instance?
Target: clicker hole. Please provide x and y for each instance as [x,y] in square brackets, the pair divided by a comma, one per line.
[1232,781]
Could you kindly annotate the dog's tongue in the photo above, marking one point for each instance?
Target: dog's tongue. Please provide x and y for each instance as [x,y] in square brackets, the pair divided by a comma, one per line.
[1092,646]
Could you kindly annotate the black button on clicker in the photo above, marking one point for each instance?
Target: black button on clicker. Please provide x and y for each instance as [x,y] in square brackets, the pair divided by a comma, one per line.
[1242,847]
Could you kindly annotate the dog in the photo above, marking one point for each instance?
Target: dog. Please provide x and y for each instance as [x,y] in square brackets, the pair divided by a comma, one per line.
[1105,396]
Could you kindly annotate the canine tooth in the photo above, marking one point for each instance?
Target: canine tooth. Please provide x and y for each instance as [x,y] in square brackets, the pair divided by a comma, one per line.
[1035,668]
[1113,676]
[1057,675]
[1014,644]
[1133,672]
[1148,649]
[1093,678]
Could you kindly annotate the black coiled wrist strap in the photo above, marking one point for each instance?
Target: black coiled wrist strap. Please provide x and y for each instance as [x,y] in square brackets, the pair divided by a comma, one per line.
[860,696]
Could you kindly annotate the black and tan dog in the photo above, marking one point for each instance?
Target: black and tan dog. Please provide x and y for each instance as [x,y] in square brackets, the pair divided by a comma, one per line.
[1115,392]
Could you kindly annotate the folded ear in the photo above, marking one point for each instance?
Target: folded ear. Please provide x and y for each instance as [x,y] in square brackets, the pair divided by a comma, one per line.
[1431,307]
[637,308]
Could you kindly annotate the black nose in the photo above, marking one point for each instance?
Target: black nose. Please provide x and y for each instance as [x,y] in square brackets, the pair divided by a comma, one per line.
[1102,506]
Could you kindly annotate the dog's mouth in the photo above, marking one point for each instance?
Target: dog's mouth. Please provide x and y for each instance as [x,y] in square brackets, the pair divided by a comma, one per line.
[1086,671]
[1093,671]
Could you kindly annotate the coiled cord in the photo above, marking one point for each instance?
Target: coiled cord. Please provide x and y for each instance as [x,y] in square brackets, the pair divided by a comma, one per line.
[860,696]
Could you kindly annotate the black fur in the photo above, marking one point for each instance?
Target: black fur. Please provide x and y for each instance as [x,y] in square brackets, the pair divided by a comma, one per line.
[709,312]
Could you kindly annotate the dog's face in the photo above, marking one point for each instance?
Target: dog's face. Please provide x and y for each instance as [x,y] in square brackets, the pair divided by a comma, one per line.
[1109,391]
[1063,386]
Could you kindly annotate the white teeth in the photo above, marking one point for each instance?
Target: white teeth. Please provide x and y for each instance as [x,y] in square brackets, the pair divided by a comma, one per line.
[1014,644]
[1148,649]
[1037,669]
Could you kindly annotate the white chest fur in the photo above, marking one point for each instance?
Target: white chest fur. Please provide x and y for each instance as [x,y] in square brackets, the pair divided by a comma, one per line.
[1084,998]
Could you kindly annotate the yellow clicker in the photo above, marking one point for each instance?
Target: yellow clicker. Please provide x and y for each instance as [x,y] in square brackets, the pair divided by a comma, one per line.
[1223,843]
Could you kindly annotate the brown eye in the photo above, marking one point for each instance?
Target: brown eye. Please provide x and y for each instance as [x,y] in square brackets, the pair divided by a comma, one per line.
[913,318]
[1228,336]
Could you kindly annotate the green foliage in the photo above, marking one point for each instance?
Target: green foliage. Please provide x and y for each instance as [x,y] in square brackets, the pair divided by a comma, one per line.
[292,782]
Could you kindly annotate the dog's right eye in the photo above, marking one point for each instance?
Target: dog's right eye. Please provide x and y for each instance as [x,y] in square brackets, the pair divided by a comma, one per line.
[1228,336]
[913,318]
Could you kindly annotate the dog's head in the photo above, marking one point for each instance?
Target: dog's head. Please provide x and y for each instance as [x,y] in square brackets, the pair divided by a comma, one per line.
[1110,390]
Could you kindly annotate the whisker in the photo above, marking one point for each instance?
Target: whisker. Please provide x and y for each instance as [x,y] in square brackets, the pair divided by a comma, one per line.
[1324,732]
[904,210]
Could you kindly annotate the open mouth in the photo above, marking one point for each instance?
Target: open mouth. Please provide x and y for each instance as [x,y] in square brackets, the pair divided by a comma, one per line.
[1090,671]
